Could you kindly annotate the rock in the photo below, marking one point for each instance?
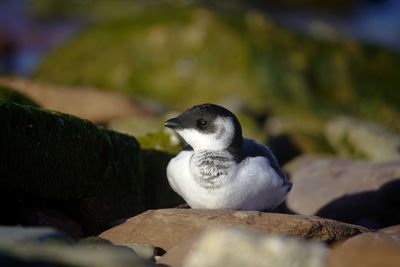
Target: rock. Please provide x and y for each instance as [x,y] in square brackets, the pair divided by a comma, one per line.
[373,239]
[167,228]
[346,190]
[355,138]
[61,256]
[367,250]
[237,248]
[90,173]
[34,235]
[145,251]
[394,229]
[86,103]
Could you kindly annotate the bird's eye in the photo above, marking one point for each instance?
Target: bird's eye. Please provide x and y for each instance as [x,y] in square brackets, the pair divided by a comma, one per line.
[201,124]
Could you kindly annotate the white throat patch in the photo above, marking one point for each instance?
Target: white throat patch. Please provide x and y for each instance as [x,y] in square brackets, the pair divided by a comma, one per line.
[221,139]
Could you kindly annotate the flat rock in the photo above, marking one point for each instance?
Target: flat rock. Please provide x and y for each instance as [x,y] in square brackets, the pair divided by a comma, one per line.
[87,103]
[168,227]
[353,191]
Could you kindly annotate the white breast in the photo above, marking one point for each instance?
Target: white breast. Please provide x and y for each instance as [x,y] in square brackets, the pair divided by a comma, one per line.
[250,185]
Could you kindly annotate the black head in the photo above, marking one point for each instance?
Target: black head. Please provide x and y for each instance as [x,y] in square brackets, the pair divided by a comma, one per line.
[208,126]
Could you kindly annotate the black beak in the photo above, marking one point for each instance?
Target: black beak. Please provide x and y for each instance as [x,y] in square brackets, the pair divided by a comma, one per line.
[172,123]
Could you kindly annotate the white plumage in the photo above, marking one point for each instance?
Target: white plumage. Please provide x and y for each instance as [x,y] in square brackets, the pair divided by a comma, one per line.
[220,169]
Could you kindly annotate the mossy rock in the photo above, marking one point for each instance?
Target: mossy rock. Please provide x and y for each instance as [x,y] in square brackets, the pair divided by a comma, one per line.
[9,95]
[202,53]
[96,172]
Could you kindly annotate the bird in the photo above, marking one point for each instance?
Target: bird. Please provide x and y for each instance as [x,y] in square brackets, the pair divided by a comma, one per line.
[219,168]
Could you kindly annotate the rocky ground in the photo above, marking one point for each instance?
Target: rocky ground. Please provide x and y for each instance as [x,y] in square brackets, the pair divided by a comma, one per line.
[83,151]
[77,194]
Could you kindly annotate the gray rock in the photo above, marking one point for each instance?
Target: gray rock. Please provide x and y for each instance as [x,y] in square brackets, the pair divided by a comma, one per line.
[238,248]
[62,256]
[352,191]
[355,138]
[17,234]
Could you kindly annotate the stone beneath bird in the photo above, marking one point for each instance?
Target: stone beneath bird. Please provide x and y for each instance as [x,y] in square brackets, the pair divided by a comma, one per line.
[220,169]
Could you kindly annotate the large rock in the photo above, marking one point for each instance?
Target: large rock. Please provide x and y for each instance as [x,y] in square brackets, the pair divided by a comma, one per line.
[367,250]
[166,228]
[84,102]
[237,248]
[351,191]
[354,138]
[93,174]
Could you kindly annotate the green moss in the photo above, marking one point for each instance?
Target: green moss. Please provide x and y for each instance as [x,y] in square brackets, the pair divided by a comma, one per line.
[204,53]
[161,141]
[8,95]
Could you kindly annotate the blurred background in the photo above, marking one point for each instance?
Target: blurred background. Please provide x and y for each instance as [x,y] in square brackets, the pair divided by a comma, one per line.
[304,76]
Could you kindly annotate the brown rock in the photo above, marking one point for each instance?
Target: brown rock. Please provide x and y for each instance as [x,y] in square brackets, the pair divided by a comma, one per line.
[373,239]
[87,103]
[367,250]
[394,229]
[352,191]
[169,227]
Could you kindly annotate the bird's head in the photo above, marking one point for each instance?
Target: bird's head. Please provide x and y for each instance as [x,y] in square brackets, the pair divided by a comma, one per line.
[208,126]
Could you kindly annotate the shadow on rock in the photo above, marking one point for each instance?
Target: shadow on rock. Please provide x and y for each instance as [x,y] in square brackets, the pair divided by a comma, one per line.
[373,209]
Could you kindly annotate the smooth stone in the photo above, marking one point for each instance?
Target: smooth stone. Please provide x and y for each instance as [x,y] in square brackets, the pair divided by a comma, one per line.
[352,191]
[367,250]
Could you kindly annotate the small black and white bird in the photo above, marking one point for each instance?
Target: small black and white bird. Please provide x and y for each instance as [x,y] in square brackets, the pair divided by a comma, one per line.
[221,169]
